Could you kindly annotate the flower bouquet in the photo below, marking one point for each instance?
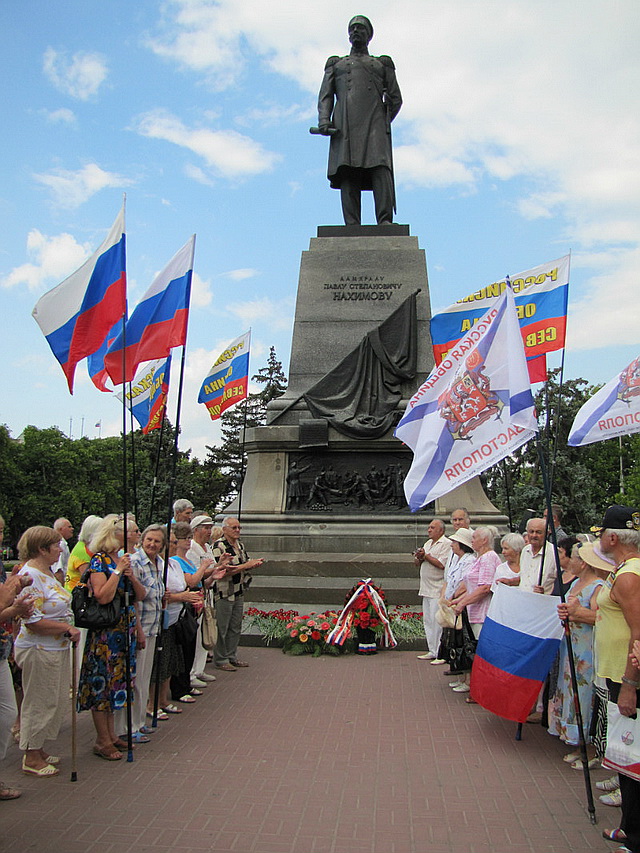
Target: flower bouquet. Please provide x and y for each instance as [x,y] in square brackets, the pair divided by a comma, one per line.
[307,635]
[366,612]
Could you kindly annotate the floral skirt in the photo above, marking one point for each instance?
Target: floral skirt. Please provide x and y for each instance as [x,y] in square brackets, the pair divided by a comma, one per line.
[103,682]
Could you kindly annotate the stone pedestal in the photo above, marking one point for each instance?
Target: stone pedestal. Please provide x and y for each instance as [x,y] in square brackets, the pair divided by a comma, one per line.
[324,508]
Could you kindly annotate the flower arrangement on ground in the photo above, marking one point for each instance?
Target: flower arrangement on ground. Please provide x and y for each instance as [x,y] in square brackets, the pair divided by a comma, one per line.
[276,627]
[366,612]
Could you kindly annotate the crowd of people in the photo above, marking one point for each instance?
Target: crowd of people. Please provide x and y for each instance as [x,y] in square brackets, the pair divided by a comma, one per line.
[599,579]
[151,660]
[145,659]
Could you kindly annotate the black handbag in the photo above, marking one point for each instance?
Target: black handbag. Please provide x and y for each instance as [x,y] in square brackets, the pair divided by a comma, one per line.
[186,626]
[462,647]
[87,610]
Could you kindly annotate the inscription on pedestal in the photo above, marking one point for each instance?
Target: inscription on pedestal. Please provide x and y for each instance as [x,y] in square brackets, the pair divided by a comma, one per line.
[359,288]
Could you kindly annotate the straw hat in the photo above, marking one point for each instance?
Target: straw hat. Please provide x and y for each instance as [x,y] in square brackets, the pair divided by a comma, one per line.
[591,554]
[463,534]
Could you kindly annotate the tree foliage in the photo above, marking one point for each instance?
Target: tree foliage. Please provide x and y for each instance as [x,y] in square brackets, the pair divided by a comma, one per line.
[585,480]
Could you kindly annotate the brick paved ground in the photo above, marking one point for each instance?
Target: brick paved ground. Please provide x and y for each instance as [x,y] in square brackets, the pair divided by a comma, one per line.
[329,755]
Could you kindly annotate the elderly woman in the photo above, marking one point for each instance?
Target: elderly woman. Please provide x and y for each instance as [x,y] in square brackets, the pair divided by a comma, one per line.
[457,567]
[475,591]
[103,688]
[10,609]
[42,650]
[177,596]
[509,571]
[148,569]
[580,610]
[79,557]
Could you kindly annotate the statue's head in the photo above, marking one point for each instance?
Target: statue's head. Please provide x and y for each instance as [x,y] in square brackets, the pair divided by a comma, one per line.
[361,29]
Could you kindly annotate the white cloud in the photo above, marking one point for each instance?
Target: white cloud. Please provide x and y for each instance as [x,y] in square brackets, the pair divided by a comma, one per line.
[201,294]
[80,77]
[276,315]
[240,274]
[71,189]
[53,258]
[61,116]
[226,152]
[197,174]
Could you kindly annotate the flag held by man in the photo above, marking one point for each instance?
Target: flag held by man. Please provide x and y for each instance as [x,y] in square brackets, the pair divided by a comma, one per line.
[472,411]
[76,316]
[519,641]
[159,321]
[227,381]
[612,411]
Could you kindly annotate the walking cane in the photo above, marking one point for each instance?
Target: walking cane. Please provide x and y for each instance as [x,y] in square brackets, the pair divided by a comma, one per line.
[74,717]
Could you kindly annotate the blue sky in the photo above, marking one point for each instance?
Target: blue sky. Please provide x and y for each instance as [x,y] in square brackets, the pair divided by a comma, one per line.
[518,142]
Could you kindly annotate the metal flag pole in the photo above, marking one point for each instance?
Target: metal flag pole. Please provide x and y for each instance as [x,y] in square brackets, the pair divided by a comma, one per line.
[567,635]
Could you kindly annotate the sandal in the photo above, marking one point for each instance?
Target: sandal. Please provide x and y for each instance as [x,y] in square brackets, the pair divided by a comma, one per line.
[47,770]
[614,834]
[107,754]
[138,737]
[9,793]
[161,715]
[187,699]
[145,730]
[121,742]
[172,709]
[195,692]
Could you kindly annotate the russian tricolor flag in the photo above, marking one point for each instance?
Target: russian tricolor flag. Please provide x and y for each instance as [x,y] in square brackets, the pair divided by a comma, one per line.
[159,321]
[519,640]
[76,316]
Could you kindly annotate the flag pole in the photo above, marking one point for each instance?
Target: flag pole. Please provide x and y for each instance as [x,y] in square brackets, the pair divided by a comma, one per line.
[242,466]
[567,635]
[172,482]
[133,459]
[127,583]
[157,465]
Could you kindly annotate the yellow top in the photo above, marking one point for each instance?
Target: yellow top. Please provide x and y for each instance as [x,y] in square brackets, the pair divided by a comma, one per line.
[78,557]
[612,633]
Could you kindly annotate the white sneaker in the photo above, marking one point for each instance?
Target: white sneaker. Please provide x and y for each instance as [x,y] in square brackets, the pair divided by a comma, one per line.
[610,784]
[428,656]
[455,683]
[437,661]
[612,799]
[204,676]
[461,688]
[197,682]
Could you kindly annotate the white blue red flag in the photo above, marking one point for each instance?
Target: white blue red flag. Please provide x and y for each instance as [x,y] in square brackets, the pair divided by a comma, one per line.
[95,362]
[147,395]
[612,411]
[76,316]
[159,321]
[472,411]
[518,643]
[228,379]
[541,296]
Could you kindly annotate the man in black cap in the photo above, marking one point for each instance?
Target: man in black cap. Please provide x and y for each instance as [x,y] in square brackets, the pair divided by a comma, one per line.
[359,98]
[617,627]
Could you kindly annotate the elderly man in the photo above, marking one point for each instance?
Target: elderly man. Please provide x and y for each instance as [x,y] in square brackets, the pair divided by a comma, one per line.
[65,529]
[556,517]
[182,510]
[531,559]
[359,98]
[229,595]
[200,552]
[431,559]
[617,629]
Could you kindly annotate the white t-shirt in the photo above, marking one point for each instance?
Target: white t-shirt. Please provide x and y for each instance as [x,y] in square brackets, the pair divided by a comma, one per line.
[175,583]
[52,601]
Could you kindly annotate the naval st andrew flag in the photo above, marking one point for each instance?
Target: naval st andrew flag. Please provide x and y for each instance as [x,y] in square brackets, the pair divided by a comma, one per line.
[613,410]
[227,381]
[518,643]
[75,317]
[159,320]
[472,411]
[147,396]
